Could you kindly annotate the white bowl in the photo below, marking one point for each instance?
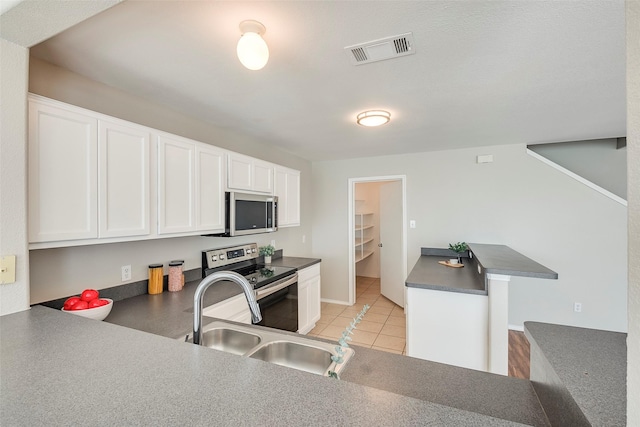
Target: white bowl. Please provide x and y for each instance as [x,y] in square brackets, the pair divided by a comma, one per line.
[97,313]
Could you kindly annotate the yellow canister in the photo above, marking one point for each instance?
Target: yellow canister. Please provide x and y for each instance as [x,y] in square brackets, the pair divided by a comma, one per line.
[155,279]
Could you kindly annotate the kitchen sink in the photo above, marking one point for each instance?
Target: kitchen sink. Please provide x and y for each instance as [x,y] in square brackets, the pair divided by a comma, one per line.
[229,340]
[295,355]
[292,351]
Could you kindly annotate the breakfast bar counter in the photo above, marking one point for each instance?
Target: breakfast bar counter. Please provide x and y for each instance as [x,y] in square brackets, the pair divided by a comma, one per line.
[61,369]
[468,302]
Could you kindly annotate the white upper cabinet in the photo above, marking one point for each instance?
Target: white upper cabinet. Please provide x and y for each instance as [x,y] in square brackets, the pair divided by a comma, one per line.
[210,188]
[287,188]
[88,175]
[98,179]
[124,179]
[176,185]
[249,174]
[63,174]
[190,186]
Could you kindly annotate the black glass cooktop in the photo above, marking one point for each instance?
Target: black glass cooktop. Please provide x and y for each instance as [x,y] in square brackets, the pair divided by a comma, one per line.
[260,275]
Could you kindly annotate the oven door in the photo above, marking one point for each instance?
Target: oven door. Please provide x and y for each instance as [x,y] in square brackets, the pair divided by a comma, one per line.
[278,303]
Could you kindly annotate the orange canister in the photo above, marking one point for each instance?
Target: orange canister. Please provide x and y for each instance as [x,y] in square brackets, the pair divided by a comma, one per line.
[155,279]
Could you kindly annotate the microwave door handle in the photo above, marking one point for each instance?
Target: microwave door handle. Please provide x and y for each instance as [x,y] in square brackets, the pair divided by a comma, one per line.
[275,287]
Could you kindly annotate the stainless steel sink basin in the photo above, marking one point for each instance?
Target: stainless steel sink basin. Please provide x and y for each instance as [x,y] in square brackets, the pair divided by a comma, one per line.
[229,340]
[292,351]
[294,355]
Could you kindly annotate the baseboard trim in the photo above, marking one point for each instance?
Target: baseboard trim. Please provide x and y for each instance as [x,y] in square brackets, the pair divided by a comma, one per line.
[333,301]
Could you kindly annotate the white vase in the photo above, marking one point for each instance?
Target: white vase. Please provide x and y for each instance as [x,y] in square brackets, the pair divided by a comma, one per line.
[267,259]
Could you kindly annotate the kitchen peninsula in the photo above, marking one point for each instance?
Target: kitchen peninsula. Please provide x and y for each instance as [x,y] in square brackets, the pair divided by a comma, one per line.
[57,367]
[468,303]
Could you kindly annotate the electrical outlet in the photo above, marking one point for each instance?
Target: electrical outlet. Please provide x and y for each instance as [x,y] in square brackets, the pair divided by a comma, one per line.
[304,238]
[577,307]
[126,272]
[273,243]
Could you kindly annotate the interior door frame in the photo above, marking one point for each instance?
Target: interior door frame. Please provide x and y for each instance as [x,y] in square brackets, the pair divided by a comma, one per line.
[352,205]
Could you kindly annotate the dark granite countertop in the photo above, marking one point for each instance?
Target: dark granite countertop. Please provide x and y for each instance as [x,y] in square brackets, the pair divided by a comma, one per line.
[170,314]
[501,259]
[294,262]
[580,374]
[62,369]
[427,273]
[490,394]
[423,391]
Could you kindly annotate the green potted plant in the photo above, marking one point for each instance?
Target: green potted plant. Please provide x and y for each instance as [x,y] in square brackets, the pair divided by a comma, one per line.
[459,248]
[267,252]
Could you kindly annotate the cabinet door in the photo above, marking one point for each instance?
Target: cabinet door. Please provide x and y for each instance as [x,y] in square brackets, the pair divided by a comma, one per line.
[247,173]
[176,185]
[303,310]
[287,188]
[210,189]
[124,180]
[308,298]
[234,308]
[239,172]
[262,177]
[63,174]
[313,307]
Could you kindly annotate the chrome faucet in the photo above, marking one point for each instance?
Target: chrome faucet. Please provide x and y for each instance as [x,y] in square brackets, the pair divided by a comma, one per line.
[210,280]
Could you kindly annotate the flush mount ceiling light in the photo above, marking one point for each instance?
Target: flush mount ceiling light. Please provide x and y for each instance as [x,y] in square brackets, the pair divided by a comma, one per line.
[252,50]
[373,118]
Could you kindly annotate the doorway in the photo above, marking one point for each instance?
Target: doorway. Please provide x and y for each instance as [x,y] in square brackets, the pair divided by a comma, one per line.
[378,233]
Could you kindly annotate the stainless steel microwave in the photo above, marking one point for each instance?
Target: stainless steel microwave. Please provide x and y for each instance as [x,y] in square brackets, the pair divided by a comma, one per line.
[249,214]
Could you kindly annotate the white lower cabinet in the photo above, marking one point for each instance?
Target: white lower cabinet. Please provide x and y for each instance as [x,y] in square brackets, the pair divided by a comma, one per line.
[448,327]
[308,298]
[234,308]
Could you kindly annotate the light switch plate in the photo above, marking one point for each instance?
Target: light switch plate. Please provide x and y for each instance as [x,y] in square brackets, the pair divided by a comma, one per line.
[7,269]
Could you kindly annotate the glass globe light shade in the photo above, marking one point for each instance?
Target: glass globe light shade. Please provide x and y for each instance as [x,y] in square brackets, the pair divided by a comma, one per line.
[253,51]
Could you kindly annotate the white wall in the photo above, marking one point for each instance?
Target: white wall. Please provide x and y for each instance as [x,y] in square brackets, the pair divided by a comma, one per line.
[517,201]
[23,24]
[633,173]
[56,273]
[13,185]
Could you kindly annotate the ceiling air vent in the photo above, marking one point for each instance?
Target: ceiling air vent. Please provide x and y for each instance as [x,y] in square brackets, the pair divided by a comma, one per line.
[379,50]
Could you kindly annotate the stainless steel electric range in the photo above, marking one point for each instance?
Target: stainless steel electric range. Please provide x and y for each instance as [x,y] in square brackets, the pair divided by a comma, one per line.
[276,288]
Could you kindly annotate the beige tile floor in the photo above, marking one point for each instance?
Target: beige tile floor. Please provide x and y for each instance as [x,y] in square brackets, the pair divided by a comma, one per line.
[382,328]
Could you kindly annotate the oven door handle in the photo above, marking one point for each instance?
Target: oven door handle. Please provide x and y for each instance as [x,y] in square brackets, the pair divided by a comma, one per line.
[275,287]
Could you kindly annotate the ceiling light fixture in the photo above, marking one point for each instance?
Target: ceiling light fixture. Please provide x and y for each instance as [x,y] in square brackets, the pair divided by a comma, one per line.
[252,50]
[373,118]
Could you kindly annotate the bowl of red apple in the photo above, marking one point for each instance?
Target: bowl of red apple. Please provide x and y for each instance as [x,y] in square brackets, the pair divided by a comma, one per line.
[89,304]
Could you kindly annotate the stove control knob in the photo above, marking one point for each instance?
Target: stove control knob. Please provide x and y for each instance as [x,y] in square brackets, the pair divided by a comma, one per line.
[253,250]
[221,257]
[214,258]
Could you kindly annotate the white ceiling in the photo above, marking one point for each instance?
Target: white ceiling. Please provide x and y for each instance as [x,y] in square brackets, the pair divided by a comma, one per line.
[484,72]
